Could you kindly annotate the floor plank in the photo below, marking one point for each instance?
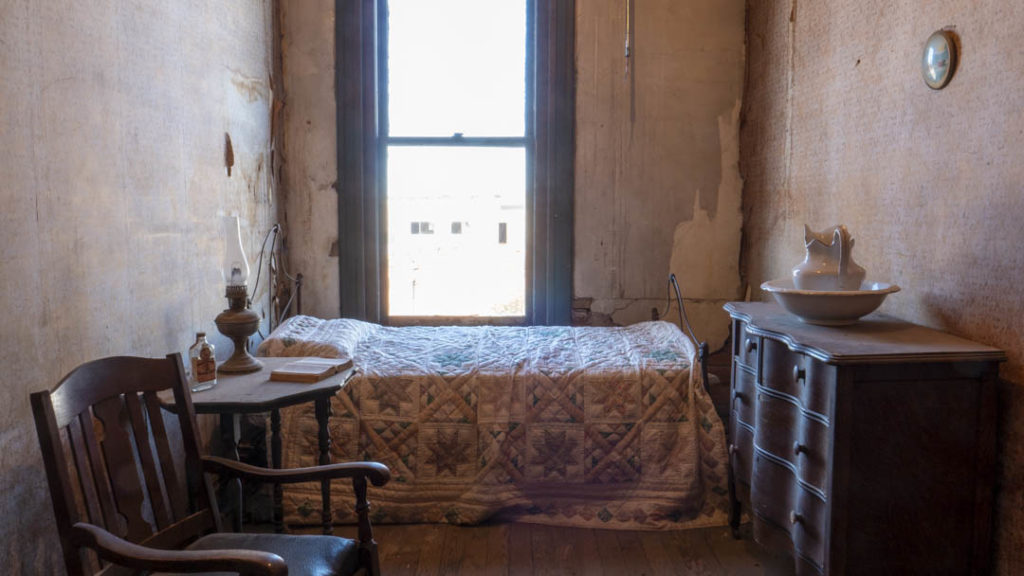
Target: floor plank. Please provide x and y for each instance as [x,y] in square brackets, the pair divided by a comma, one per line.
[520,549]
[745,557]
[691,553]
[632,551]
[591,557]
[516,549]
[430,544]
[482,554]
[398,560]
[453,549]
[608,550]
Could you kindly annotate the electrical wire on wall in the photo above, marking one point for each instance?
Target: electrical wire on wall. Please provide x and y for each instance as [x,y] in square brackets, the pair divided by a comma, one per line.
[629,72]
[629,35]
[275,263]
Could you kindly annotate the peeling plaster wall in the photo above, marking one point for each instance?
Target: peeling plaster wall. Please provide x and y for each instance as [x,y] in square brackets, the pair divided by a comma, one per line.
[839,127]
[657,149]
[311,144]
[114,191]
[657,182]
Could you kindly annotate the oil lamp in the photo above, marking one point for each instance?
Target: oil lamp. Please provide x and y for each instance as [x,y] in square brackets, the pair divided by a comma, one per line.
[238,322]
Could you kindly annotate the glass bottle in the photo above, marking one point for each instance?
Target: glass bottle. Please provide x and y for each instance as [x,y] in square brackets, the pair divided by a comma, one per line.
[204,364]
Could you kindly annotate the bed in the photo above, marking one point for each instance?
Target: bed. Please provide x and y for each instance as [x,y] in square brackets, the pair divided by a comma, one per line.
[571,426]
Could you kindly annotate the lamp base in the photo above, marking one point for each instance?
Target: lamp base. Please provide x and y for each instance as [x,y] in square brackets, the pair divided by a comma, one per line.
[238,324]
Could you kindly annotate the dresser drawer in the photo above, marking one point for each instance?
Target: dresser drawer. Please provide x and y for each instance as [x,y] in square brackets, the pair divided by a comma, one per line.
[794,374]
[785,432]
[741,452]
[812,450]
[746,347]
[778,500]
[744,395]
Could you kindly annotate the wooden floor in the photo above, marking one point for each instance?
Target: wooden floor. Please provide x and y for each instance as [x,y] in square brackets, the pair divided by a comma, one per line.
[515,549]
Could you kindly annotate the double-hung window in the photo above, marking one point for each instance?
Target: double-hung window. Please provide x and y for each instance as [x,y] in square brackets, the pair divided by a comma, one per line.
[460,112]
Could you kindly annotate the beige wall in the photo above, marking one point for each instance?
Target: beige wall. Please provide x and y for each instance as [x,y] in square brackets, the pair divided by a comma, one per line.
[310,171]
[113,192]
[840,128]
[657,150]
[657,183]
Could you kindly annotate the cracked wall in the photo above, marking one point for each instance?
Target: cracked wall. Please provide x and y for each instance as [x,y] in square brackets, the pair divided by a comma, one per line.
[839,127]
[657,148]
[114,191]
[657,186]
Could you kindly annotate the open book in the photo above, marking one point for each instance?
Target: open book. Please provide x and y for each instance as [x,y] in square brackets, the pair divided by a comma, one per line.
[309,370]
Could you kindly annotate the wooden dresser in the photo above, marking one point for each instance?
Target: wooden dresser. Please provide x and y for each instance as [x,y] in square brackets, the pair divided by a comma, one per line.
[866,449]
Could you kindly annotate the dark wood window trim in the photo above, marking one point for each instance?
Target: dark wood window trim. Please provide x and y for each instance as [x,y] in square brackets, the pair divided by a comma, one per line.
[550,148]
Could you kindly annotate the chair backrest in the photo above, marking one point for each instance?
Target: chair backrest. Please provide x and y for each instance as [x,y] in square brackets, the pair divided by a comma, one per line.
[110,462]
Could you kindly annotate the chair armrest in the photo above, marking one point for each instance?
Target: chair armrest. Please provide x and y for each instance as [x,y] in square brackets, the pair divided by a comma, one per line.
[122,552]
[377,473]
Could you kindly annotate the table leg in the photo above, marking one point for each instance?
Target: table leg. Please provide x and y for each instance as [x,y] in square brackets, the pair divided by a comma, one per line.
[323,414]
[230,425]
[275,455]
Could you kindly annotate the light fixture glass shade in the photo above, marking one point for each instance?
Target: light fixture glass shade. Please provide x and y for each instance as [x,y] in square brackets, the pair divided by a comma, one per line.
[236,267]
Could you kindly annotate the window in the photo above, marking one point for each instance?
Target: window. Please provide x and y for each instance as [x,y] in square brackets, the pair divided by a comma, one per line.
[453,113]
[427,103]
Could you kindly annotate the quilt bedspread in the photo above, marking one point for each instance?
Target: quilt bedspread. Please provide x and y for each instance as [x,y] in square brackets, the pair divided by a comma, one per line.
[595,427]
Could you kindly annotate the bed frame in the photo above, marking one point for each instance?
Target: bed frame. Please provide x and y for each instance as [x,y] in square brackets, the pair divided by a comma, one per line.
[286,292]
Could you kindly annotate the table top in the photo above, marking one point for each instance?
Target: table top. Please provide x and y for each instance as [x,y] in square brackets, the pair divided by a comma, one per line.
[876,338]
[255,392]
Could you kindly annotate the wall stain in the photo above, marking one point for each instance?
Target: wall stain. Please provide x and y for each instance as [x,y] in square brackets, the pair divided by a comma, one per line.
[252,89]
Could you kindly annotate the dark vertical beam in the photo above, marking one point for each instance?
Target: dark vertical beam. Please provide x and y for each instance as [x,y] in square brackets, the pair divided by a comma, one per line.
[554,156]
[359,203]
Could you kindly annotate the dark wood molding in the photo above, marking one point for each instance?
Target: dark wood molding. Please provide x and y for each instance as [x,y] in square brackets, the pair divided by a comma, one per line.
[360,214]
[553,120]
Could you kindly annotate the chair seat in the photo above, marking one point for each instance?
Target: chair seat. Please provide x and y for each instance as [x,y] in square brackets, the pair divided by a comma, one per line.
[306,555]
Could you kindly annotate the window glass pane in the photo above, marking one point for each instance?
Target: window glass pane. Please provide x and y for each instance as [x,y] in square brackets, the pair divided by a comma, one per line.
[456,66]
[449,273]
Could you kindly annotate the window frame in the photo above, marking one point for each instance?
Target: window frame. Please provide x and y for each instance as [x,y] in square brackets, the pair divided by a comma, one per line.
[361,80]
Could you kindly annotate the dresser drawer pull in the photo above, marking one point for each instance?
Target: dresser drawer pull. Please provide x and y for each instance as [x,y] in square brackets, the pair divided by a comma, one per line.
[798,448]
[740,396]
[732,449]
[795,517]
[750,345]
[799,374]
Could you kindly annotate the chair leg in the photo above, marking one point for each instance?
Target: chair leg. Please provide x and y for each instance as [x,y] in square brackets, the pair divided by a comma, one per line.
[369,557]
[367,545]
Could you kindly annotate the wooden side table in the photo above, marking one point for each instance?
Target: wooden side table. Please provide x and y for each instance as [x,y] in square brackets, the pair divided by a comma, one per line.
[254,393]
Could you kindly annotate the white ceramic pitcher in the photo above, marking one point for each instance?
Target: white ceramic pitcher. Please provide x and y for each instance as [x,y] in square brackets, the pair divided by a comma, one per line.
[828,265]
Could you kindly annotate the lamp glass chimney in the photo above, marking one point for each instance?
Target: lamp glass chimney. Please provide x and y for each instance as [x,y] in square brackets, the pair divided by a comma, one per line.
[236,267]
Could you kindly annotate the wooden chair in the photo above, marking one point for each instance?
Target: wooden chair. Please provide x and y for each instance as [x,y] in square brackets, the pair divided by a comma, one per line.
[119,494]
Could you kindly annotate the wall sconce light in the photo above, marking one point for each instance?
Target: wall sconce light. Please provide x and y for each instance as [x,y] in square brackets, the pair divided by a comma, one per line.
[238,322]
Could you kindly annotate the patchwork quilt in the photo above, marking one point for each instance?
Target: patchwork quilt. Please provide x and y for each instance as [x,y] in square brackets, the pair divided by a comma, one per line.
[572,426]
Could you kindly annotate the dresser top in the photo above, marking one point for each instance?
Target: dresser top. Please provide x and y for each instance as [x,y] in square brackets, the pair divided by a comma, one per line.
[875,338]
